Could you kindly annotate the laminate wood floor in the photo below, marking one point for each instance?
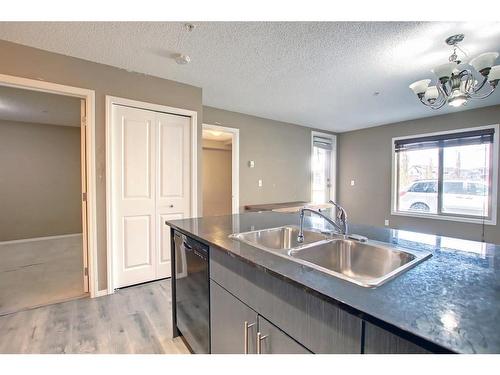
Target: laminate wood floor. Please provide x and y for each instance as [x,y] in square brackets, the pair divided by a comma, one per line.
[40,272]
[133,320]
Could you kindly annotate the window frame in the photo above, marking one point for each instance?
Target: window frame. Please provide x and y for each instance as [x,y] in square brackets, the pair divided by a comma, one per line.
[492,220]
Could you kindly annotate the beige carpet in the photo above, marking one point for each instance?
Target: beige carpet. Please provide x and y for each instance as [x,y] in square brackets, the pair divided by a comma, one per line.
[40,272]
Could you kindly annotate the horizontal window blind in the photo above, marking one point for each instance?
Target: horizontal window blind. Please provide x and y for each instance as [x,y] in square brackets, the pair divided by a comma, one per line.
[474,137]
[322,142]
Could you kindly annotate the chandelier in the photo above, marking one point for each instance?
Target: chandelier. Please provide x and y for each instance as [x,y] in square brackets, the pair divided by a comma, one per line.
[457,84]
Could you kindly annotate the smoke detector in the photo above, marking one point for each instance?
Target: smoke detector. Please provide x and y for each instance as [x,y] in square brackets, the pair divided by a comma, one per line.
[182,59]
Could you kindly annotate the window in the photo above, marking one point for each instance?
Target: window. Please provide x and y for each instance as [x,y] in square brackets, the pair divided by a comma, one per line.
[449,175]
[322,166]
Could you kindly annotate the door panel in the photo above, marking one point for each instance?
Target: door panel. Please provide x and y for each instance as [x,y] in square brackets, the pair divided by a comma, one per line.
[133,198]
[173,181]
[137,245]
[136,170]
[163,267]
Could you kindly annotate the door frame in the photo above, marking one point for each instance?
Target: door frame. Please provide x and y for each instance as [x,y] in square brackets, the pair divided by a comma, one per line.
[193,115]
[235,163]
[333,162]
[89,122]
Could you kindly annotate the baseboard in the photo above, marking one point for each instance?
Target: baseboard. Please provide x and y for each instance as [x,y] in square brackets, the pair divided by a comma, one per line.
[102,293]
[40,238]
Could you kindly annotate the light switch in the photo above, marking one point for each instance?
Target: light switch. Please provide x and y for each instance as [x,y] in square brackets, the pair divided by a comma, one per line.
[260,183]
[251,164]
[352,182]
[386,222]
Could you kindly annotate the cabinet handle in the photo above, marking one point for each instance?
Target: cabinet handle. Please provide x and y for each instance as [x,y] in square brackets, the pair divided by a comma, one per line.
[260,337]
[171,206]
[246,326]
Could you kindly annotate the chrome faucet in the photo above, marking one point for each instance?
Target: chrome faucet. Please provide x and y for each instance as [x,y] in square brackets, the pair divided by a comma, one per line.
[341,216]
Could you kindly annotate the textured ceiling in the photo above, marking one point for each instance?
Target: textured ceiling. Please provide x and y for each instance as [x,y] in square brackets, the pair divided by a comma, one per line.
[316,74]
[38,107]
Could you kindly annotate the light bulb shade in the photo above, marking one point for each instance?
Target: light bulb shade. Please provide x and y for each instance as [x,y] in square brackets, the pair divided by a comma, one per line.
[494,73]
[484,60]
[420,87]
[431,94]
[444,70]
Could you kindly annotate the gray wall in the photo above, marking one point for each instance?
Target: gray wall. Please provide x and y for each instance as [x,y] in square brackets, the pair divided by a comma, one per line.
[40,183]
[281,151]
[365,156]
[23,61]
[282,154]
[217,178]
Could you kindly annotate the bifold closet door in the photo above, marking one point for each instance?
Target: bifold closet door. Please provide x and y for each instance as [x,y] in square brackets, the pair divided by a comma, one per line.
[151,184]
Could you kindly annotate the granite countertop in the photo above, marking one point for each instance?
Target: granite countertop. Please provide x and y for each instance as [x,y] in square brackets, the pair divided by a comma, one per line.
[451,299]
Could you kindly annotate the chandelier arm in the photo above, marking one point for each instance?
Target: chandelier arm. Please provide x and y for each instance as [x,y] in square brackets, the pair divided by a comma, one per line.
[444,89]
[484,96]
[476,89]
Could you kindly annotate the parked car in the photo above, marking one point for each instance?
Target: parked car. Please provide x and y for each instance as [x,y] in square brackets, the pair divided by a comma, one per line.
[459,197]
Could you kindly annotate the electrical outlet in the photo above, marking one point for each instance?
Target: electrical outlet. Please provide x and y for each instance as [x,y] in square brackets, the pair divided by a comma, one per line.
[386,222]
[260,183]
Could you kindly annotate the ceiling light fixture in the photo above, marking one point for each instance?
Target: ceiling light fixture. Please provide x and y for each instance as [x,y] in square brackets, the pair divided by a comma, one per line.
[456,85]
[181,58]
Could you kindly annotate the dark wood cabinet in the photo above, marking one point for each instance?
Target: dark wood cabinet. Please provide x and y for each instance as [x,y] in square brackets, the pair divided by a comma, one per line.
[227,319]
[247,303]
[380,341]
[274,341]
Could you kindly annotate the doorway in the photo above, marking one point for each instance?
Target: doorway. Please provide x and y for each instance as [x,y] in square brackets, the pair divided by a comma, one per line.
[220,170]
[323,167]
[43,221]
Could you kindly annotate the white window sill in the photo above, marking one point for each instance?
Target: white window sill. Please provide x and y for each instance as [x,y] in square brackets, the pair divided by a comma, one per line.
[471,220]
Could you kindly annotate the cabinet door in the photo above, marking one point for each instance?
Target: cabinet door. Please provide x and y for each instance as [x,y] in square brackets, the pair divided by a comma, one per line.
[275,341]
[227,323]
[380,341]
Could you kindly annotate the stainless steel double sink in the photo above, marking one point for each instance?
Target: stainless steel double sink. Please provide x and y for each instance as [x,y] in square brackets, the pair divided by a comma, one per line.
[366,263]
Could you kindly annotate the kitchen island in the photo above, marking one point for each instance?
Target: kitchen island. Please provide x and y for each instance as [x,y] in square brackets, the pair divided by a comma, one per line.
[449,303]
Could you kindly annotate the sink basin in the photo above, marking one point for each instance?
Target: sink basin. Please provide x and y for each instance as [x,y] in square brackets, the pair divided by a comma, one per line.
[367,264]
[282,238]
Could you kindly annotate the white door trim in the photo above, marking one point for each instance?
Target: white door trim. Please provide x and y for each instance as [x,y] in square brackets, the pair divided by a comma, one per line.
[89,96]
[235,163]
[110,100]
[333,162]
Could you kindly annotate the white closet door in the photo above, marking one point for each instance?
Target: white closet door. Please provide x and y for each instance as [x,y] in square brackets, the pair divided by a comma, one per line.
[173,183]
[151,183]
[134,166]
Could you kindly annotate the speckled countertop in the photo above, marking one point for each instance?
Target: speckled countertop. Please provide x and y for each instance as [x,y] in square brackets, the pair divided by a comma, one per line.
[452,299]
